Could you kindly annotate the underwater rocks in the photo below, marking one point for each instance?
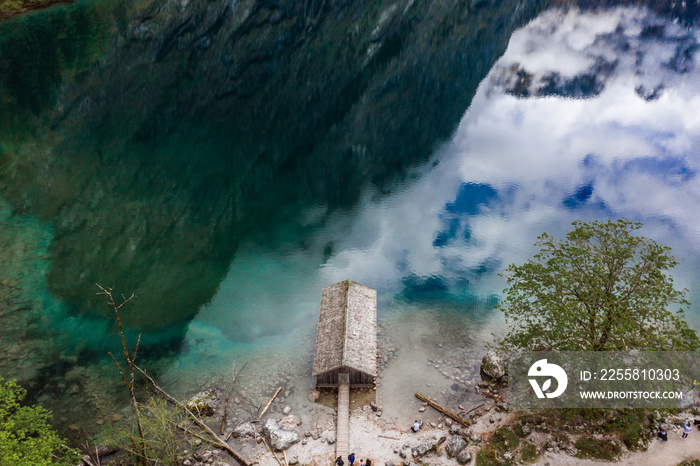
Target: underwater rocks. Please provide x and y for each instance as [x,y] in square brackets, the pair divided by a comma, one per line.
[244,430]
[289,422]
[205,403]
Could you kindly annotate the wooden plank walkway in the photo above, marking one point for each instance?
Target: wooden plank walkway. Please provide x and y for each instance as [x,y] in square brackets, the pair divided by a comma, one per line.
[342,429]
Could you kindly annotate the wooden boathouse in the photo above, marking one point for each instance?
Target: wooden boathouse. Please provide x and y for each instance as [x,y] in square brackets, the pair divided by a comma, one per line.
[346,346]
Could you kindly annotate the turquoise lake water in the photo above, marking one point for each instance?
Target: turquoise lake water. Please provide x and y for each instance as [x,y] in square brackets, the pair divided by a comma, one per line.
[587,115]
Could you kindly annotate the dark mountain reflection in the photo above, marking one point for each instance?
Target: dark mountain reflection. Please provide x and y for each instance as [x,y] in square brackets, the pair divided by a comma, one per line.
[196,124]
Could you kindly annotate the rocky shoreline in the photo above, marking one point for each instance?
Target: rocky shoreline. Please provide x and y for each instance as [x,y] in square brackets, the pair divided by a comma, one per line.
[293,432]
[311,441]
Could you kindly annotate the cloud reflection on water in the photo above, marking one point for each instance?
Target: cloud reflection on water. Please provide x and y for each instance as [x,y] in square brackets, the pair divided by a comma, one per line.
[523,161]
[517,167]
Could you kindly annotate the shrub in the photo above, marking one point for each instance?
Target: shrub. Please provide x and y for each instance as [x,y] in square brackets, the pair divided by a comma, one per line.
[503,440]
[591,447]
[530,453]
[630,425]
[164,441]
[486,457]
[519,431]
[26,437]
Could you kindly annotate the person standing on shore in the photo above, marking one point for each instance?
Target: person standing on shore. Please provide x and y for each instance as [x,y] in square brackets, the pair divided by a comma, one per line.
[686,429]
[351,459]
[339,461]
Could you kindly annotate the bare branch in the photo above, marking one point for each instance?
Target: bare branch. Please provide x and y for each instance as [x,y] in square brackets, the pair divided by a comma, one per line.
[120,368]
[140,452]
[270,448]
[269,403]
[228,395]
[215,438]
[136,348]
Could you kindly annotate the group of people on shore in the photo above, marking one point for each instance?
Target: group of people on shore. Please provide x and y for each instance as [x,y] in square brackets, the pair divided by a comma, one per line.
[663,435]
[351,460]
[368,462]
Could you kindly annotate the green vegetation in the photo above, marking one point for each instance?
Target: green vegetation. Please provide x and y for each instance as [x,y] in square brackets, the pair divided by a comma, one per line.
[164,441]
[594,433]
[519,431]
[505,439]
[530,453]
[600,449]
[486,457]
[631,427]
[26,437]
[499,449]
[601,289]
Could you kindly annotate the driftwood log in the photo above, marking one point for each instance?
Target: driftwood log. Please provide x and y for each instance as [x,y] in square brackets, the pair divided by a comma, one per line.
[443,410]
[464,413]
[271,450]
[497,398]
[269,403]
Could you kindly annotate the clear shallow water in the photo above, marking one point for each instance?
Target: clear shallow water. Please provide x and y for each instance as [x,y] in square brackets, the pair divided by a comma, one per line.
[570,124]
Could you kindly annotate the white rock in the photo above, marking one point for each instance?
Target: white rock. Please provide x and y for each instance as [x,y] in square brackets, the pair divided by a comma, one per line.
[493,365]
[279,438]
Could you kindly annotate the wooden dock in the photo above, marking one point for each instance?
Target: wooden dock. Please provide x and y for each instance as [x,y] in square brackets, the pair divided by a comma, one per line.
[346,348]
[342,429]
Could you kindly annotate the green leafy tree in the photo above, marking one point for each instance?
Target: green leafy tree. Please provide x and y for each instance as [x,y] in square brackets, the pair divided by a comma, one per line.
[26,437]
[603,288]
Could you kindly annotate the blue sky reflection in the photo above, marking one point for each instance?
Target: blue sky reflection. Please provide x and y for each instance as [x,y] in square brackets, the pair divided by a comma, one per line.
[586,116]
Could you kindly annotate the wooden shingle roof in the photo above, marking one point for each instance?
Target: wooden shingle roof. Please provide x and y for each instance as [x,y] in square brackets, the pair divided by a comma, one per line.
[347,329]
